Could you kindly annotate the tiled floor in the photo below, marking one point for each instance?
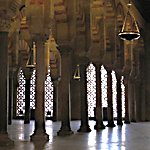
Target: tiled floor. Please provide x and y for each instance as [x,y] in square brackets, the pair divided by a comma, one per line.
[134,136]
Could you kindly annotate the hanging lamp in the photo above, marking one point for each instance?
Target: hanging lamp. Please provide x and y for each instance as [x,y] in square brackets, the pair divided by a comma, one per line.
[31,62]
[129,35]
[77,73]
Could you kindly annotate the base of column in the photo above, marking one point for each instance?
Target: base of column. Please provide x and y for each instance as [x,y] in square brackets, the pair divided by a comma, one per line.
[84,129]
[65,131]
[119,122]
[99,126]
[54,119]
[39,137]
[5,141]
[26,122]
[111,124]
[133,120]
[127,122]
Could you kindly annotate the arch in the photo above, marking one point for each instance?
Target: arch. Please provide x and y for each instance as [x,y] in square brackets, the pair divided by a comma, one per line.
[119,15]
[21,94]
[91,88]
[23,45]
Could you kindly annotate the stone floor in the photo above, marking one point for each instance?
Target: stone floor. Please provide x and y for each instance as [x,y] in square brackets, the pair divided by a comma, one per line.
[134,136]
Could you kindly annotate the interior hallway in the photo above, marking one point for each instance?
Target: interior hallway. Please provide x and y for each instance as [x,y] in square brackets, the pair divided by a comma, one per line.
[134,136]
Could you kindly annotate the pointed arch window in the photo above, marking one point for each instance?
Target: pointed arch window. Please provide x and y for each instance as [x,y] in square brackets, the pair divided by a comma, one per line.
[91,89]
[21,94]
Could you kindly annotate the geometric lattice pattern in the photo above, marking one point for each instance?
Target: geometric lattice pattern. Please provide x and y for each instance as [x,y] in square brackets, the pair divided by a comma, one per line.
[32,90]
[104,86]
[91,89]
[114,96]
[123,96]
[21,95]
[48,95]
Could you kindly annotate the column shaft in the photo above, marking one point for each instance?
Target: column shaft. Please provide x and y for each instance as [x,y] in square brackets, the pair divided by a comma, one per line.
[27,102]
[110,104]
[99,119]
[132,102]
[10,101]
[84,106]
[40,132]
[119,101]
[55,100]
[127,120]
[4,88]
[14,93]
[65,93]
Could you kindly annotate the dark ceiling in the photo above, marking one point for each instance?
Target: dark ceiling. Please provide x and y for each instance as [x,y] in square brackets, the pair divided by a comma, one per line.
[143,7]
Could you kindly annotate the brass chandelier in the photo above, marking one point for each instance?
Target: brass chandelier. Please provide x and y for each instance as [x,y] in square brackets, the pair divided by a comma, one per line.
[129,35]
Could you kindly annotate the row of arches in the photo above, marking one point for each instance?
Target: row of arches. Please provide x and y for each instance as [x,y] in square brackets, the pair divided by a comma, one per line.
[91,92]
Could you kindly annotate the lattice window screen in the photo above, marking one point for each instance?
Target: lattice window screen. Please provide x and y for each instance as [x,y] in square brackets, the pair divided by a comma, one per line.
[91,89]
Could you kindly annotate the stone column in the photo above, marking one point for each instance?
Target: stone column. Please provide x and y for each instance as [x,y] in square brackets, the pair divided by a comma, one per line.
[27,102]
[119,101]
[15,84]
[127,120]
[84,127]
[138,97]
[10,99]
[132,102]
[40,132]
[110,104]
[55,99]
[99,112]
[4,88]
[65,92]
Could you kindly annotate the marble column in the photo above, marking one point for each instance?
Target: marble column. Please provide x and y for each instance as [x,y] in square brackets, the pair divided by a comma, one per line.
[65,92]
[55,99]
[119,101]
[4,88]
[40,132]
[127,119]
[110,103]
[84,127]
[27,102]
[99,112]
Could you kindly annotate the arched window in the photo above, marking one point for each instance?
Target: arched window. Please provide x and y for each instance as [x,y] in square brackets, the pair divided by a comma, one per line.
[21,94]
[123,96]
[114,90]
[104,86]
[91,89]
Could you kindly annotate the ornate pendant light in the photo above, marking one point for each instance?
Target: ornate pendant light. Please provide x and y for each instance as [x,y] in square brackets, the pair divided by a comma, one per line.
[129,35]
[32,59]
[77,73]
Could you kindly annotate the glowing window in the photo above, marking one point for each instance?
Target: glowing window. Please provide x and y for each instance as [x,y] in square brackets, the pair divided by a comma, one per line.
[91,89]
[104,86]
[32,90]
[21,95]
[114,96]
[123,96]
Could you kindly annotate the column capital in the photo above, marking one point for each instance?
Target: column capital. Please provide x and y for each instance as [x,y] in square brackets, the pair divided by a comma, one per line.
[40,37]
